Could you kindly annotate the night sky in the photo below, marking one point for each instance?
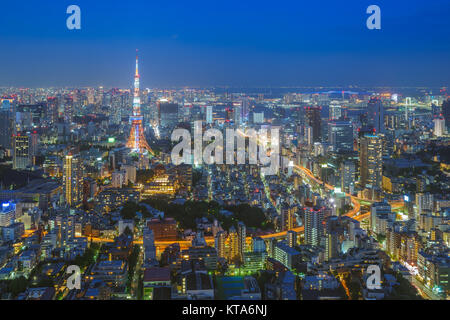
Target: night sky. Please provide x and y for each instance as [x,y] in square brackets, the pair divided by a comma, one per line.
[235,43]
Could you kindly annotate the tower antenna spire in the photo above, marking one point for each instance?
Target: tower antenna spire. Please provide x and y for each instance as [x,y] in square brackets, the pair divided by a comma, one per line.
[136,140]
[137,63]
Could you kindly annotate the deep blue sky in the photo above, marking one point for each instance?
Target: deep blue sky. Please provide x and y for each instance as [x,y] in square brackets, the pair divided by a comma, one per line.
[217,42]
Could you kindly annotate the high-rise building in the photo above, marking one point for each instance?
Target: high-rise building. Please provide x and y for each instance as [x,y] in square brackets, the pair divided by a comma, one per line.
[287,217]
[199,251]
[136,140]
[371,162]
[118,179]
[149,244]
[220,240]
[314,225]
[34,143]
[288,256]
[66,225]
[7,214]
[439,127]
[242,235]
[234,244]
[375,117]
[258,245]
[314,120]
[379,210]
[21,151]
[229,114]
[434,269]
[291,238]
[446,112]
[7,104]
[209,114]
[308,135]
[237,113]
[258,117]
[340,135]
[6,128]
[168,116]
[335,111]
[130,172]
[348,171]
[245,103]
[424,203]
[72,179]
[331,245]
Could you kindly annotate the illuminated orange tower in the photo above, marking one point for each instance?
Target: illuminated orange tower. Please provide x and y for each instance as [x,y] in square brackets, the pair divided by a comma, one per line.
[137,141]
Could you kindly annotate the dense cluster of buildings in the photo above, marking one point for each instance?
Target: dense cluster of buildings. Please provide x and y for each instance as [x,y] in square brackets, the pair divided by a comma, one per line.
[87,180]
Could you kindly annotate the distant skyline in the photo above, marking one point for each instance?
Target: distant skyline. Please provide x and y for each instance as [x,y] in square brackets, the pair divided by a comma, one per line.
[233,43]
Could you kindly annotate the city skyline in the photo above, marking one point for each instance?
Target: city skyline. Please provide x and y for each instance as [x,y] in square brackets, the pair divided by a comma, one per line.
[215,174]
[360,193]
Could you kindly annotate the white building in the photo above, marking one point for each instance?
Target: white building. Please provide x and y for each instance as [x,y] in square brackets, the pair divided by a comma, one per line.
[118,179]
[7,214]
[131,172]
[209,114]
[335,111]
[424,202]
[258,117]
[439,127]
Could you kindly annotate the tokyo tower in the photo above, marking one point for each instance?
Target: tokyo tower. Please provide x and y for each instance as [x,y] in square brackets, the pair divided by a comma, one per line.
[137,141]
